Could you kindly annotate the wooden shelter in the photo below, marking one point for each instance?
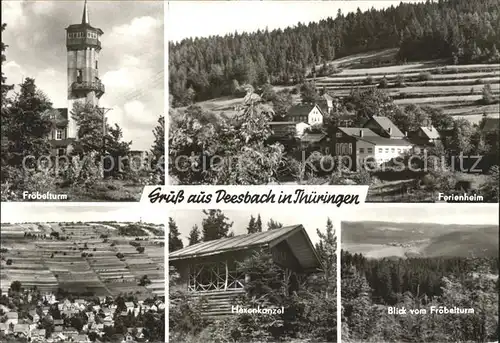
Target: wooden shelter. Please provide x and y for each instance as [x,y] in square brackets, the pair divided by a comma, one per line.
[210,269]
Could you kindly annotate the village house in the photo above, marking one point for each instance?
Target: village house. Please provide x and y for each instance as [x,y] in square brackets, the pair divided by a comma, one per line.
[311,114]
[4,328]
[50,298]
[424,136]
[58,322]
[33,316]
[210,269]
[364,146]
[12,318]
[70,333]
[287,129]
[38,334]
[326,103]
[384,127]
[21,330]
[316,142]
[81,339]
[130,306]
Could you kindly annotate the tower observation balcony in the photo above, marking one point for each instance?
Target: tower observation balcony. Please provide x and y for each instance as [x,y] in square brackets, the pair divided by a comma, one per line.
[88,86]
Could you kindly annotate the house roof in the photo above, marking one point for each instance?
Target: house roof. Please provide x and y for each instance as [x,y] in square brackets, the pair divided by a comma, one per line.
[21,328]
[312,137]
[327,97]
[11,315]
[354,131]
[302,110]
[490,124]
[377,140]
[297,237]
[430,132]
[386,124]
[283,123]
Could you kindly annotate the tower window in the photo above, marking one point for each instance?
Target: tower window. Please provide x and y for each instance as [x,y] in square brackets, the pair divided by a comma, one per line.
[58,134]
[96,65]
[79,76]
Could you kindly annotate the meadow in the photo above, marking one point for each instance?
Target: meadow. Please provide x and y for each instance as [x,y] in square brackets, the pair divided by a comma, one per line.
[83,259]
[456,89]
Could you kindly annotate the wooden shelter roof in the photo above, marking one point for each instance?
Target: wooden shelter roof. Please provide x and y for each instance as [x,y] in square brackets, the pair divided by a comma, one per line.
[296,236]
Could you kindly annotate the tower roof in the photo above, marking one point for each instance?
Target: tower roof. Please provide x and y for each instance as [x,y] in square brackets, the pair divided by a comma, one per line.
[85,15]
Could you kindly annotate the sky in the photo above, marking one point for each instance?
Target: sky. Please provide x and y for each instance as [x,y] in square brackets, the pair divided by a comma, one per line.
[313,219]
[316,219]
[70,212]
[205,18]
[131,60]
[465,213]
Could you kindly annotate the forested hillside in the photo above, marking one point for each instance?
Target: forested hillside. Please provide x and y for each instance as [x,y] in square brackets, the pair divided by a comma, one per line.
[371,287]
[461,31]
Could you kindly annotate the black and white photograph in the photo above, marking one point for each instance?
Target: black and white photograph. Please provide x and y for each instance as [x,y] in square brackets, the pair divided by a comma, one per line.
[420,273]
[252,276]
[82,100]
[82,274]
[402,96]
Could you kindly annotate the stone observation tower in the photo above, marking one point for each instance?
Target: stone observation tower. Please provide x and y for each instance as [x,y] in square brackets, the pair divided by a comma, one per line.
[83,45]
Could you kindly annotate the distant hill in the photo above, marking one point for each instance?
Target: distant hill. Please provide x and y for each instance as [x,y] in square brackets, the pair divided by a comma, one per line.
[207,68]
[421,239]
[480,242]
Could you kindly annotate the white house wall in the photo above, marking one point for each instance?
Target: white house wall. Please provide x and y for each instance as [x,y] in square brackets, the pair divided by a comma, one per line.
[386,153]
[315,117]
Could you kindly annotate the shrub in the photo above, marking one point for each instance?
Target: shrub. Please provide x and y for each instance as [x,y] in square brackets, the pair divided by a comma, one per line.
[185,315]
[82,171]
[489,189]
[383,83]
[140,250]
[368,80]
[487,95]
[400,81]
[425,76]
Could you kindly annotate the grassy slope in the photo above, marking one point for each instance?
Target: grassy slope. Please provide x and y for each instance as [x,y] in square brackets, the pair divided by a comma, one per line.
[449,91]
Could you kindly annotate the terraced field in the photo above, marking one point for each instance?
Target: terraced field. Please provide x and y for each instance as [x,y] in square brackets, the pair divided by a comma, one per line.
[81,261]
[456,89]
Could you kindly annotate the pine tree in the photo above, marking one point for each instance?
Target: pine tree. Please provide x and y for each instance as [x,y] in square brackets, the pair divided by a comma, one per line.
[174,242]
[194,235]
[327,250]
[272,225]
[251,225]
[26,125]
[158,151]
[215,225]
[258,223]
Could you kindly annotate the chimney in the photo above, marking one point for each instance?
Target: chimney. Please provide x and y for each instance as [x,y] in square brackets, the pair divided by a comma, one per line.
[406,133]
[361,133]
